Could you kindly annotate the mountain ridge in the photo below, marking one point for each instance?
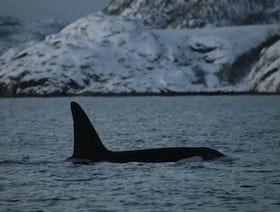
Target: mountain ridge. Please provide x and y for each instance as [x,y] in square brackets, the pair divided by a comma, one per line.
[101,54]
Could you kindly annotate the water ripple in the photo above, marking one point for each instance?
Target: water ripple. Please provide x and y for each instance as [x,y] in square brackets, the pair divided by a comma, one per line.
[36,138]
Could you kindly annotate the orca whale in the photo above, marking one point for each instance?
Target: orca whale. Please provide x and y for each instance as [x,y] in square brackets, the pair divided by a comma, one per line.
[89,148]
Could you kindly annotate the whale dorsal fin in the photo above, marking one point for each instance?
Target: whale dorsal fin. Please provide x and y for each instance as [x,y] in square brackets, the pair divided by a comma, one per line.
[87,144]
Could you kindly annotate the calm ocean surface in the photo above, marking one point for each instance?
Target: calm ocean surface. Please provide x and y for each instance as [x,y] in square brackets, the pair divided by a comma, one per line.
[36,137]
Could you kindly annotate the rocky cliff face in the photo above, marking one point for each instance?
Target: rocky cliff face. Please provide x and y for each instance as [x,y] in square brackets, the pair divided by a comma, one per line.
[103,54]
[116,54]
[161,14]
[265,75]
[208,13]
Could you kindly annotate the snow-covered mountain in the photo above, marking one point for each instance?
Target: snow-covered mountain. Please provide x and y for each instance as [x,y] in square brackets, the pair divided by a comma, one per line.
[118,54]
[15,32]
[161,14]
[265,75]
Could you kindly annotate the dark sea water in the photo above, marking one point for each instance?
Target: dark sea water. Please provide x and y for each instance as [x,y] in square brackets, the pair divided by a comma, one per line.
[36,137]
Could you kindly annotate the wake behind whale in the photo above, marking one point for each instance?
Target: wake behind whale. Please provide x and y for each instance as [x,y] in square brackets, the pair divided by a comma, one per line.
[89,148]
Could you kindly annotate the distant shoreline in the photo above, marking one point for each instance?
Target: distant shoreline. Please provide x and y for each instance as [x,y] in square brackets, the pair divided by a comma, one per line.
[169,93]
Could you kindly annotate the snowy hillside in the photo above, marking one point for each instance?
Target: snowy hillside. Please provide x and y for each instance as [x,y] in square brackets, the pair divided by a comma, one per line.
[117,54]
[160,14]
[265,75]
[15,32]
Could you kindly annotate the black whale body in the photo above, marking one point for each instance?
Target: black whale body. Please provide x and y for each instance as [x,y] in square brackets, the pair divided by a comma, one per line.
[89,148]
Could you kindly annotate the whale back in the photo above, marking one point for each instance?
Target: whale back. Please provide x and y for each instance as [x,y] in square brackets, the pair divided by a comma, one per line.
[89,148]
